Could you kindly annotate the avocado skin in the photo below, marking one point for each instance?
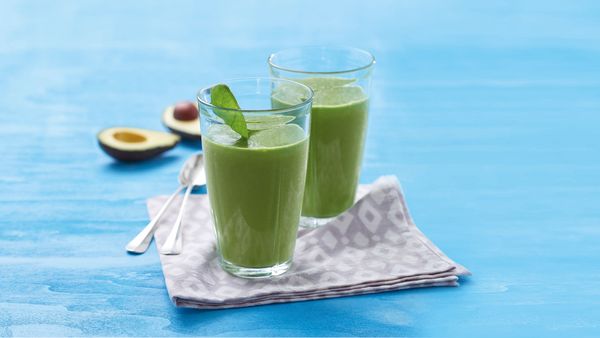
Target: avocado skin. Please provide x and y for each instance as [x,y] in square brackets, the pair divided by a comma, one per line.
[172,127]
[134,156]
[183,134]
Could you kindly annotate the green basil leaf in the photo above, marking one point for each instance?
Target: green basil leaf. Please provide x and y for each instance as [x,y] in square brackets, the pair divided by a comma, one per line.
[222,97]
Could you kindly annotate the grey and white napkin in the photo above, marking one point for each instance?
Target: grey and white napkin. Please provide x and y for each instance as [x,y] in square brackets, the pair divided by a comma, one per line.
[372,247]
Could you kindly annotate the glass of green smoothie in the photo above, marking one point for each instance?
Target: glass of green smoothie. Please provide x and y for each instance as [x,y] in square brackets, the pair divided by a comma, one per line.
[255,159]
[340,78]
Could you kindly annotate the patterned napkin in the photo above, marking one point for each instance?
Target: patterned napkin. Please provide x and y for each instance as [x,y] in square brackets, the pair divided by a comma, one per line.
[373,247]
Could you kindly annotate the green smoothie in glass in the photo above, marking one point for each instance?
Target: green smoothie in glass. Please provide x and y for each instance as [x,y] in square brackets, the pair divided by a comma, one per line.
[255,190]
[338,129]
[256,170]
[340,79]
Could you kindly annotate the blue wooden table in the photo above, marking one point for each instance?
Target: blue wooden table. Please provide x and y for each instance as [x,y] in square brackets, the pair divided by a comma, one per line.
[488,112]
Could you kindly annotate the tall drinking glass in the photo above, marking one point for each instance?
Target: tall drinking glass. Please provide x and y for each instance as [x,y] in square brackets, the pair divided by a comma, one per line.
[340,78]
[255,184]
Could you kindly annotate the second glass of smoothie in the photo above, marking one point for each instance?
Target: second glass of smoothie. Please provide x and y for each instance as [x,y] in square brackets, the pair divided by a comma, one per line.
[340,78]
[255,184]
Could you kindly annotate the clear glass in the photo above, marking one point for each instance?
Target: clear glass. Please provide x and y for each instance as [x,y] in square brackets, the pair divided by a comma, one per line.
[341,80]
[255,185]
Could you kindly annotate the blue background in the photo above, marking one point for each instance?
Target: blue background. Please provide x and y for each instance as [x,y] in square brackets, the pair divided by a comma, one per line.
[488,112]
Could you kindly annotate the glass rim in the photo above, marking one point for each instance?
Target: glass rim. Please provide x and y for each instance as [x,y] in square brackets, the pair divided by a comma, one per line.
[369,64]
[270,110]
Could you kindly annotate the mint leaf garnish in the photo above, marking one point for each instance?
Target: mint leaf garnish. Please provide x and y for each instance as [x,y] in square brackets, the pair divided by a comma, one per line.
[221,96]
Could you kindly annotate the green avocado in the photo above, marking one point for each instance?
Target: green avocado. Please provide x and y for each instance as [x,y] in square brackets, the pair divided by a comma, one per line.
[189,130]
[135,144]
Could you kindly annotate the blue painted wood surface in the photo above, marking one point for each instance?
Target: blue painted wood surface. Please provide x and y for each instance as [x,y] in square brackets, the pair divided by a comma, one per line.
[488,112]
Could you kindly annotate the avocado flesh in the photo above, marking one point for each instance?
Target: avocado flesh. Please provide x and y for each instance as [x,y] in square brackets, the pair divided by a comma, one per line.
[189,130]
[135,144]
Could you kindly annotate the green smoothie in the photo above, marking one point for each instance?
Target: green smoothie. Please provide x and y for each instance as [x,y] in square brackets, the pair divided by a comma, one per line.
[337,135]
[255,187]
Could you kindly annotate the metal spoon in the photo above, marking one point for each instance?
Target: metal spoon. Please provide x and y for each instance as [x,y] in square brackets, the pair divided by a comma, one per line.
[173,244]
[140,243]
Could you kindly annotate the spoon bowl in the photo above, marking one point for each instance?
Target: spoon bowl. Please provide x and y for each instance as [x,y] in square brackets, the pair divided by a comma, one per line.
[186,173]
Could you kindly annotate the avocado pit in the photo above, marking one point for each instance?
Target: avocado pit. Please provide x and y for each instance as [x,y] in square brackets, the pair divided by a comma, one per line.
[185,111]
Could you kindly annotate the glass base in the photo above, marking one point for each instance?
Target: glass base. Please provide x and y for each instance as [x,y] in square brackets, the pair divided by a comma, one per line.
[244,272]
[314,222]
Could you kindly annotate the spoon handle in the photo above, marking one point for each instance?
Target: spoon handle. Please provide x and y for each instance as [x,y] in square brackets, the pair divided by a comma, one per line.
[141,242]
[173,244]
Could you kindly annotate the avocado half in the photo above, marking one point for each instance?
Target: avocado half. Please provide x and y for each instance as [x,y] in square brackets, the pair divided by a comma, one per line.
[189,130]
[135,144]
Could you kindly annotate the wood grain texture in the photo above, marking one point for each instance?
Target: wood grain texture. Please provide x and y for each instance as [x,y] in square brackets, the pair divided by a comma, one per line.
[488,112]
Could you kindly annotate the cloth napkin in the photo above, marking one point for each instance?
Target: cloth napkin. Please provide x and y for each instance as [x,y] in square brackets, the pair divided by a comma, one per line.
[372,247]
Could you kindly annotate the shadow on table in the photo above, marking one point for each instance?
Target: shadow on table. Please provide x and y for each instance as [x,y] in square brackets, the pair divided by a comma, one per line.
[157,162]
[191,144]
[464,280]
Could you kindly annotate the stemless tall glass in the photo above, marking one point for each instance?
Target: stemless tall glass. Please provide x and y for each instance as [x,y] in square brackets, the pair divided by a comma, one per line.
[340,78]
[255,184]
